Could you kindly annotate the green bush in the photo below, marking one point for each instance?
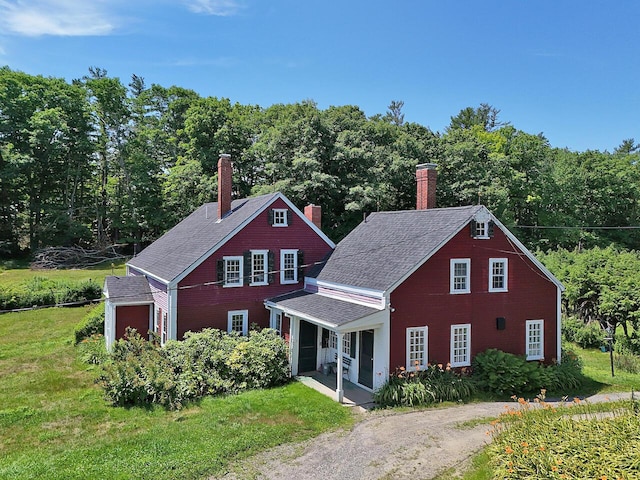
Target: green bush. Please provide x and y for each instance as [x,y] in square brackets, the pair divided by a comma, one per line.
[424,387]
[91,324]
[628,345]
[40,291]
[591,335]
[205,363]
[627,362]
[92,350]
[587,335]
[505,374]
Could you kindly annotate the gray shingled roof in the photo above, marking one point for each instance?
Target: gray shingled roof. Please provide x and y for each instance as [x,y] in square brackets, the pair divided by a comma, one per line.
[189,240]
[330,310]
[384,248]
[133,289]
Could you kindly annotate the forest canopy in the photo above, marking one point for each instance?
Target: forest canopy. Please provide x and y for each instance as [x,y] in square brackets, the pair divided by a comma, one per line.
[95,162]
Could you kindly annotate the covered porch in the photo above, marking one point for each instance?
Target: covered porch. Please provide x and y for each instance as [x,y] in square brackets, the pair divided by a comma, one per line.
[331,335]
[353,396]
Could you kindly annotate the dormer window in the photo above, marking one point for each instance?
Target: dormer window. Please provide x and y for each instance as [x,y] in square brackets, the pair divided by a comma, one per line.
[280,217]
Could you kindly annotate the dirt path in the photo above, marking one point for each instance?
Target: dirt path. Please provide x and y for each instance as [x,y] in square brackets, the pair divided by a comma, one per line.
[384,445]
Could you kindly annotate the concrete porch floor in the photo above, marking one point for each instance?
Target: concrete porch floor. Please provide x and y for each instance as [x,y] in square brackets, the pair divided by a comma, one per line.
[354,396]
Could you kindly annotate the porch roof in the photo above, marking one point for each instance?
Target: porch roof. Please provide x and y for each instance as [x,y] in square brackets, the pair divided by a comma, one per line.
[129,289]
[313,306]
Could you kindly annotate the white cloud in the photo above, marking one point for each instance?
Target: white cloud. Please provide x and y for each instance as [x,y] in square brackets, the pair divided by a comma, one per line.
[34,18]
[221,8]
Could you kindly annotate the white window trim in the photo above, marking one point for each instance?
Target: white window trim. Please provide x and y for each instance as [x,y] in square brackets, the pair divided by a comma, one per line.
[164,328]
[485,229]
[284,213]
[346,344]
[452,264]
[493,261]
[527,339]
[240,273]
[333,340]
[265,275]
[410,365]
[295,267]
[276,321]
[467,355]
[245,320]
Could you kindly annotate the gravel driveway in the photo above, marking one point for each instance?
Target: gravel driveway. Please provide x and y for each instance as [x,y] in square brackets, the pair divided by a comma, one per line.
[384,445]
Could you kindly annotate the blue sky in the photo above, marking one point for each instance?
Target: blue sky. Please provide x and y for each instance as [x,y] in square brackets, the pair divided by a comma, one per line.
[569,69]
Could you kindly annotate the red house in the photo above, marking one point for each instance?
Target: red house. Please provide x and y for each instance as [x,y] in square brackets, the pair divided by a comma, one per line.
[402,289]
[428,285]
[217,266]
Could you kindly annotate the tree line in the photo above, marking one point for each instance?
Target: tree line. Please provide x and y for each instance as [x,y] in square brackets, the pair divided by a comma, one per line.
[96,162]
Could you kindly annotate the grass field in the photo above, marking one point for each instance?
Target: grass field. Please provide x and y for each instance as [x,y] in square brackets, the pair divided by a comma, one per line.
[55,424]
[12,273]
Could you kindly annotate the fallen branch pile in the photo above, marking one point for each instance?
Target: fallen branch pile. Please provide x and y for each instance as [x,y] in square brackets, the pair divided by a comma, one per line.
[53,258]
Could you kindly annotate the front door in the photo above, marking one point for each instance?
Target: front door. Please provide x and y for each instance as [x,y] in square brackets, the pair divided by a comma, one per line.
[308,352]
[365,361]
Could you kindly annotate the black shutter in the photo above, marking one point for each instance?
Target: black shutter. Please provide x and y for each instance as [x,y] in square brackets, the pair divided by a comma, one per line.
[271,267]
[246,267]
[271,217]
[220,270]
[300,265]
[352,353]
[474,231]
[491,225]
[289,217]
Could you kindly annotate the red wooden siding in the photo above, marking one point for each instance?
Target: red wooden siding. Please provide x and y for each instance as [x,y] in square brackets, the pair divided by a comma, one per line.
[424,299]
[207,305]
[134,316]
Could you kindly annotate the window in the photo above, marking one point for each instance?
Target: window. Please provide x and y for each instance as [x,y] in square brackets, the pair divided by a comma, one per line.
[233,271]
[482,227]
[165,328]
[280,217]
[276,322]
[259,267]
[460,345]
[460,275]
[333,340]
[416,348]
[497,274]
[535,339]
[288,266]
[346,344]
[237,321]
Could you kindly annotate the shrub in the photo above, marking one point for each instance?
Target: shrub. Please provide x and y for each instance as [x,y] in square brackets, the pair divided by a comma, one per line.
[40,291]
[627,362]
[591,335]
[570,326]
[205,363]
[628,345]
[92,350]
[91,324]
[423,387]
[507,374]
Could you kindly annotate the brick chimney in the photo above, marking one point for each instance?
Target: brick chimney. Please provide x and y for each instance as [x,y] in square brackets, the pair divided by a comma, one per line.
[225,170]
[314,214]
[426,175]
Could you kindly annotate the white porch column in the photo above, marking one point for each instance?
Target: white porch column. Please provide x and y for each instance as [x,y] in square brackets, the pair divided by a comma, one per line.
[339,390]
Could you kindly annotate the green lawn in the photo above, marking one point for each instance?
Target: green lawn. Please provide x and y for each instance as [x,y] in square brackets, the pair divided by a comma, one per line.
[55,424]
